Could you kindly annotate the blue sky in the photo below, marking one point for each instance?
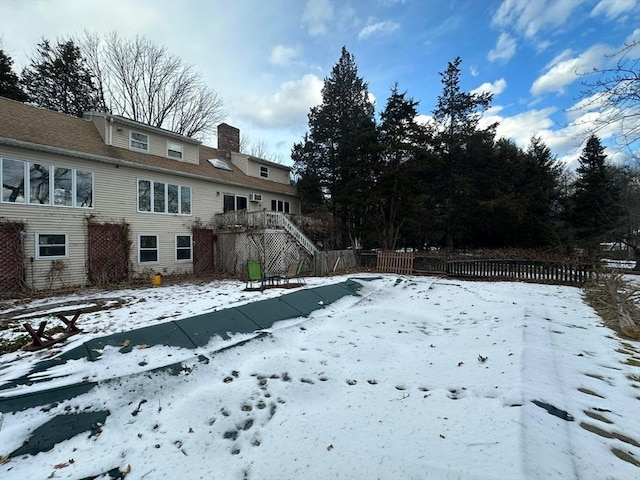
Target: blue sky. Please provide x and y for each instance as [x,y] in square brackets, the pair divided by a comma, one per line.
[267,59]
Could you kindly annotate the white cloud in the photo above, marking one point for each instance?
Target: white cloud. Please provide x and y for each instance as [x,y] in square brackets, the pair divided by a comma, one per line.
[317,13]
[281,55]
[379,28]
[474,71]
[505,49]
[613,8]
[529,17]
[288,107]
[563,71]
[521,127]
[495,88]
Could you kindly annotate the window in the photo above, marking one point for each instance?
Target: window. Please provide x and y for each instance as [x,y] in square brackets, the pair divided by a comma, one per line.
[139,141]
[159,197]
[183,248]
[279,206]
[84,189]
[12,177]
[185,200]
[148,249]
[172,198]
[264,171]
[51,246]
[41,184]
[174,150]
[234,202]
[62,186]
[144,196]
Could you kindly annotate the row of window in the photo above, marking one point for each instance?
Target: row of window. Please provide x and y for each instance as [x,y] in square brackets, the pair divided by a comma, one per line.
[161,197]
[42,184]
[55,246]
[240,202]
[140,141]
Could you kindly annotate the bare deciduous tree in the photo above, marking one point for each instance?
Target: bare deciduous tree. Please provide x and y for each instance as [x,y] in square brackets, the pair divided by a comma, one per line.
[145,82]
[611,97]
[258,149]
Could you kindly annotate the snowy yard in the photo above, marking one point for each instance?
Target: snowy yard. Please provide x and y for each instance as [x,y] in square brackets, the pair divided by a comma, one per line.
[415,378]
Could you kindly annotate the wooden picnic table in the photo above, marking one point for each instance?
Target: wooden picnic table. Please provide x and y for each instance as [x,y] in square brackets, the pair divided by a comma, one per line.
[40,340]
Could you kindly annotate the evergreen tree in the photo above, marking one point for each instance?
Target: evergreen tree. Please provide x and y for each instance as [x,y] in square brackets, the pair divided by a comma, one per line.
[58,79]
[457,115]
[595,203]
[9,82]
[339,147]
[397,189]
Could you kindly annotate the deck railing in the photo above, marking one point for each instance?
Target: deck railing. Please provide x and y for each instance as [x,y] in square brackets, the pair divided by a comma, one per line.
[242,219]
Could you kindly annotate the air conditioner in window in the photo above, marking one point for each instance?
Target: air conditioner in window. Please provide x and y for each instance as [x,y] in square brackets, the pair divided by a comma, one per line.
[255,197]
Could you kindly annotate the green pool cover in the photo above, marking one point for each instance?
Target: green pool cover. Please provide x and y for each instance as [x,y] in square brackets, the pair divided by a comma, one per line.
[187,333]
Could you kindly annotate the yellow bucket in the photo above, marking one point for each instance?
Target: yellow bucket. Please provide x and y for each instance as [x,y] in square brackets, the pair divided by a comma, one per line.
[156,280]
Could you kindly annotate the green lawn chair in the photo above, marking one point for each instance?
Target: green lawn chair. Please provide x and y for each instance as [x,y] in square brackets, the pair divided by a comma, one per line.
[254,275]
[299,272]
[293,272]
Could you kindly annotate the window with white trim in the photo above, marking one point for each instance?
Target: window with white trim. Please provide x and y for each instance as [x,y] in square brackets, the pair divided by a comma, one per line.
[183,248]
[158,197]
[139,141]
[13,179]
[174,150]
[264,171]
[42,184]
[234,202]
[280,206]
[51,246]
[148,251]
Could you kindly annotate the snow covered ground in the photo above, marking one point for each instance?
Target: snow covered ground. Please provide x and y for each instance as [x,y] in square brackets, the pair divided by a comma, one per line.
[416,378]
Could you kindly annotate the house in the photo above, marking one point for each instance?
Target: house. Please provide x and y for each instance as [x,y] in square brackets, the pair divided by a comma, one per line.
[103,198]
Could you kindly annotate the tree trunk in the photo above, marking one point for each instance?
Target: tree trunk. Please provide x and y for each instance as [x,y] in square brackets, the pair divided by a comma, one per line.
[636,254]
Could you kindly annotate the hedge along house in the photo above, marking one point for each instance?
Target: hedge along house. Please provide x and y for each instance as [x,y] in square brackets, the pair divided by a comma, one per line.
[104,198]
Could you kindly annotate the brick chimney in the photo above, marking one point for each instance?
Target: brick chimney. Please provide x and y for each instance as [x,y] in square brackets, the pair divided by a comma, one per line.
[228,138]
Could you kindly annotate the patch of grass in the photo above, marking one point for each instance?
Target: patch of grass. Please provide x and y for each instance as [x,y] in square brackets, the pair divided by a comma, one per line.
[618,303]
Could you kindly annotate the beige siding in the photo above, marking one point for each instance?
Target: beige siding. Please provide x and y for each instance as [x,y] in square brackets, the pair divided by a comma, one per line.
[276,174]
[115,200]
[157,143]
[241,161]
[101,126]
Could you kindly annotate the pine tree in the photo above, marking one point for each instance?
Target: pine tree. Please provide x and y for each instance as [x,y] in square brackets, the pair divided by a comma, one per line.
[401,141]
[595,204]
[9,82]
[58,79]
[338,149]
[457,115]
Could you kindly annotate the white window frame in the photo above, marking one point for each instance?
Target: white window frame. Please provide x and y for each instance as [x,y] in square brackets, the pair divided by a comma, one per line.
[152,204]
[175,147]
[157,249]
[283,206]
[26,189]
[51,257]
[184,260]
[131,140]
[263,171]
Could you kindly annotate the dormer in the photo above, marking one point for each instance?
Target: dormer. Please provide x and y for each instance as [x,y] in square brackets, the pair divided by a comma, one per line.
[229,141]
[135,136]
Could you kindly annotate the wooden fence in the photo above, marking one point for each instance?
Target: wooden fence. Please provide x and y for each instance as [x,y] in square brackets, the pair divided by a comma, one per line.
[408,263]
[395,262]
